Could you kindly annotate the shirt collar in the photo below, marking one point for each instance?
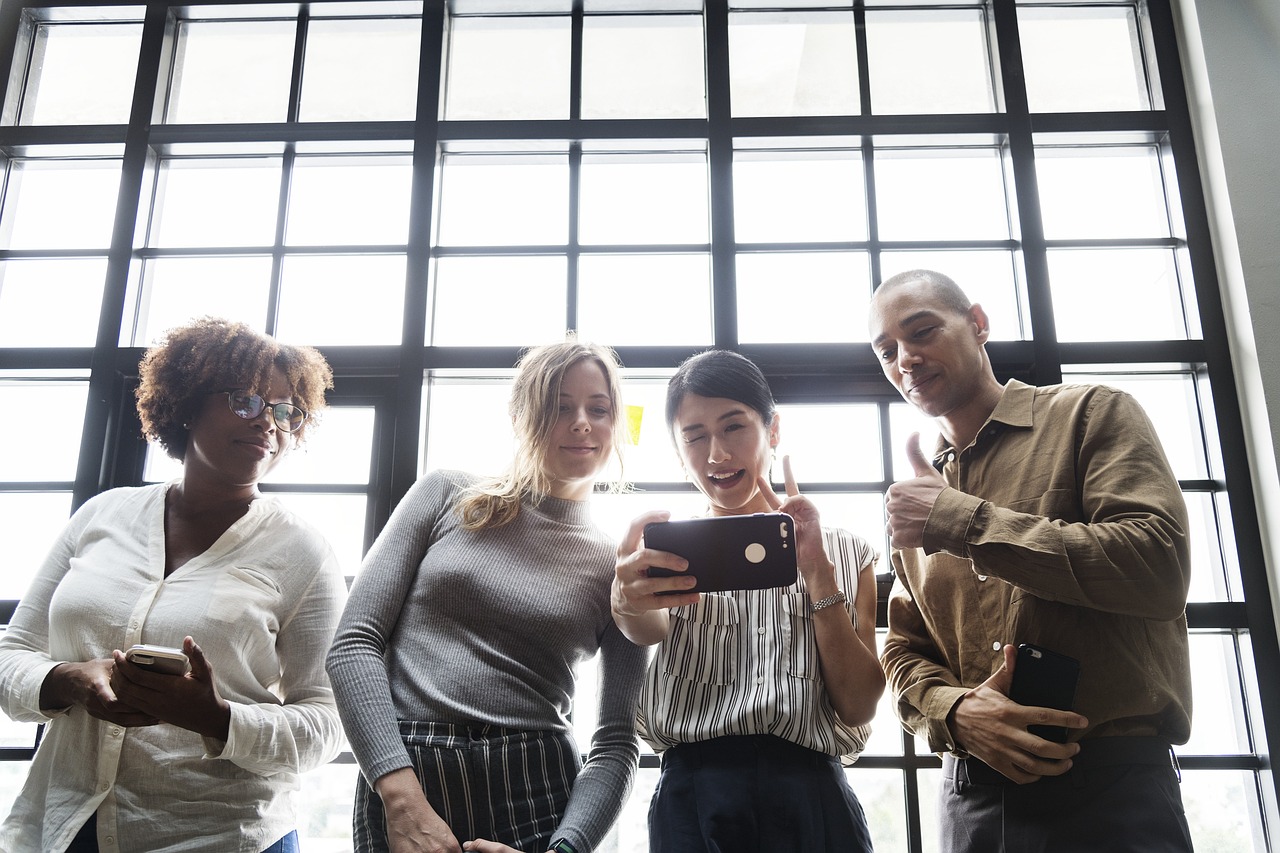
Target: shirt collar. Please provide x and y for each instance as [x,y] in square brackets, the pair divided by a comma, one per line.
[1014,408]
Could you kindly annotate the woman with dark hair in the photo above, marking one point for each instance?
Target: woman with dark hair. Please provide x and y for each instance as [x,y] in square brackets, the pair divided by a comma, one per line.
[756,697]
[454,662]
[133,760]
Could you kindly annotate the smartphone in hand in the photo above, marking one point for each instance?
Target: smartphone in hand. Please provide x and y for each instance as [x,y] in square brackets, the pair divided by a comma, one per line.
[729,552]
[1045,679]
[161,659]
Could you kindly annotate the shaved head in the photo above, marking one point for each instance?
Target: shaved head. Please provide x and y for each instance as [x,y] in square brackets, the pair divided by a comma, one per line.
[941,287]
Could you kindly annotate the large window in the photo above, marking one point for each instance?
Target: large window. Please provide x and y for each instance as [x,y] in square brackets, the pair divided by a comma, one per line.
[421,188]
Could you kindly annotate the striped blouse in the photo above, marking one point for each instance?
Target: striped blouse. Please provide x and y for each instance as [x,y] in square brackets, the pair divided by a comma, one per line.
[746,663]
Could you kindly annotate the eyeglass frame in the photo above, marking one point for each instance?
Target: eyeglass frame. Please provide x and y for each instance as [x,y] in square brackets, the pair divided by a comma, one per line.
[282,424]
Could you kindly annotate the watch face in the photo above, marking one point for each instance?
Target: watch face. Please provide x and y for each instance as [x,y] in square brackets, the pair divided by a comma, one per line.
[562,846]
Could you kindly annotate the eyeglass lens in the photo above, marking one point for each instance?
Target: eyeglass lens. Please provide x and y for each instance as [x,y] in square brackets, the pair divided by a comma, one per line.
[287,416]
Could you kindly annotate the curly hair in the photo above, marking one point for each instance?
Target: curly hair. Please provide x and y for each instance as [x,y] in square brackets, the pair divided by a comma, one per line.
[209,355]
[535,408]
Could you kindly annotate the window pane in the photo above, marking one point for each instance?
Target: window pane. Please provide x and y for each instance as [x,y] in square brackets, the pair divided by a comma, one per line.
[324,807]
[652,458]
[1082,58]
[886,732]
[338,449]
[643,66]
[1101,192]
[881,793]
[59,409]
[844,433]
[1139,288]
[231,71]
[82,74]
[644,199]
[33,291]
[964,186]
[1208,578]
[175,290]
[861,513]
[361,70]
[531,291]
[826,297]
[645,299]
[340,518]
[1170,402]
[793,63]
[36,212]
[934,61]
[793,196]
[494,201]
[349,201]
[321,304]
[508,68]
[222,202]
[1222,810]
[614,513]
[1220,725]
[904,419]
[467,426]
[29,523]
[21,735]
[987,277]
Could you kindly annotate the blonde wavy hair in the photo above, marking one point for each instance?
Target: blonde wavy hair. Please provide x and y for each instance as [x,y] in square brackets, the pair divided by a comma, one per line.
[534,408]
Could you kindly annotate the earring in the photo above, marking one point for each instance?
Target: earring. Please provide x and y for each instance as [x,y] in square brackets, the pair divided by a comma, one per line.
[186,426]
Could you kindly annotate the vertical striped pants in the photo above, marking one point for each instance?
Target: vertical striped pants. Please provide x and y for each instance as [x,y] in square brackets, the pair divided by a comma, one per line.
[484,781]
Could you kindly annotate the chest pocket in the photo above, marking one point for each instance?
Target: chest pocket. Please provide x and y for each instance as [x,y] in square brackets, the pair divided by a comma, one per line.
[703,643]
[802,642]
[239,591]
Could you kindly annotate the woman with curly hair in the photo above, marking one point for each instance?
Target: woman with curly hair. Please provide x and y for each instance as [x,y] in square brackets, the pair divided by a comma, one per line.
[454,662]
[136,760]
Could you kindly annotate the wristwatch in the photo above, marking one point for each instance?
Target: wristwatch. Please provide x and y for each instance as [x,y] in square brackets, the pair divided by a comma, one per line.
[838,598]
[561,846]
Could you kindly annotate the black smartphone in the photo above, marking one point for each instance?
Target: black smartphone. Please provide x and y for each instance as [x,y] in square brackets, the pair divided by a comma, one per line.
[729,552]
[161,659]
[1045,679]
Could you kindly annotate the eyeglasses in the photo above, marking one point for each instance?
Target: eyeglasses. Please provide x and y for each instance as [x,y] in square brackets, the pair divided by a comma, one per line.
[287,417]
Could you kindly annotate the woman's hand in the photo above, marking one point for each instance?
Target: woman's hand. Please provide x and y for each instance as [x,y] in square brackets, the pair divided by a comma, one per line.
[88,685]
[188,701]
[412,825]
[638,608]
[815,566]
[480,845]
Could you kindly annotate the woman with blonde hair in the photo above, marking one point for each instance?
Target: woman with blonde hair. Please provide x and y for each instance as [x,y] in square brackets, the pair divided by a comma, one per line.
[454,661]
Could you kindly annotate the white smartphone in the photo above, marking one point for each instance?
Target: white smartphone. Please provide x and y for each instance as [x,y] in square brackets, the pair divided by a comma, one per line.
[161,659]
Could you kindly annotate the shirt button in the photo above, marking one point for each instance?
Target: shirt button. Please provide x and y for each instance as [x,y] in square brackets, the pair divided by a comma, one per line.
[105,786]
[111,839]
[982,577]
[761,632]
[759,681]
[115,732]
[995,647]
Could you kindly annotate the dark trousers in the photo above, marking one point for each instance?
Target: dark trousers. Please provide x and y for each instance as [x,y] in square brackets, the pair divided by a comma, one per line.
[1120,796]
[752,793]
[484,781]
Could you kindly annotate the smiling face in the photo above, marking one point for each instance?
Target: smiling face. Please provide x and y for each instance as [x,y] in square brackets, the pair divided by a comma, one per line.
[226,449]
[582,437]
[934,354]
[725,447]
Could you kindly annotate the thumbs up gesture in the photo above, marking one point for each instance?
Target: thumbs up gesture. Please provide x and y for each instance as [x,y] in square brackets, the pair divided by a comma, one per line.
[909,502]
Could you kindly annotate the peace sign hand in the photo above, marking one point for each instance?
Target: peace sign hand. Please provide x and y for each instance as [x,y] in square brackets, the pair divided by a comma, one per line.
[811,556]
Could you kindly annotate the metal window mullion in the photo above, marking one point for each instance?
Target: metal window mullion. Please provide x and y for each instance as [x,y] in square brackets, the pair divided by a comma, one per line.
[863,58]
[1047,369]
[426,153]
[577,26]
[101,426]
[724,306]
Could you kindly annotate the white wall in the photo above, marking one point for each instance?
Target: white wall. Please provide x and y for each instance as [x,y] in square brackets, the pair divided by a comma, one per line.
[1231,59]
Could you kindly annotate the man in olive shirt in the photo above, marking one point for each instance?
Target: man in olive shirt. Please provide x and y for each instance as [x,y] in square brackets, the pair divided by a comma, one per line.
[1047,516]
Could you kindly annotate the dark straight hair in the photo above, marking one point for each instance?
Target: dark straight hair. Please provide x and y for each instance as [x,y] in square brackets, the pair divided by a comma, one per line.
[720,373]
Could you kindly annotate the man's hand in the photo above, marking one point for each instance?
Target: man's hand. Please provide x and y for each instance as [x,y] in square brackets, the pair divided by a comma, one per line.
[909,502]
[992,727]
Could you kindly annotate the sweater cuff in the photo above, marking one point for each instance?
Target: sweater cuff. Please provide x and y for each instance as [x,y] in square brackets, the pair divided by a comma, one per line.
[950,520]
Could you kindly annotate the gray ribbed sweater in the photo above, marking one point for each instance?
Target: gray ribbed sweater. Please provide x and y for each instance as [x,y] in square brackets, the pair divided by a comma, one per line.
[455,626]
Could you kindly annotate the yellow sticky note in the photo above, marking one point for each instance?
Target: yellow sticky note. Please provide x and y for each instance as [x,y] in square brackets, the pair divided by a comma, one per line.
[635,414]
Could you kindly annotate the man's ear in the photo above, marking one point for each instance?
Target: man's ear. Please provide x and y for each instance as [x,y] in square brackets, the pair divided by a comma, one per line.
[981,324]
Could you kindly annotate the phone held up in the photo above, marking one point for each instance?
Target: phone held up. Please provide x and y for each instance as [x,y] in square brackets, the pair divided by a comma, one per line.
[1045,679]
[161,659]
[729,552]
